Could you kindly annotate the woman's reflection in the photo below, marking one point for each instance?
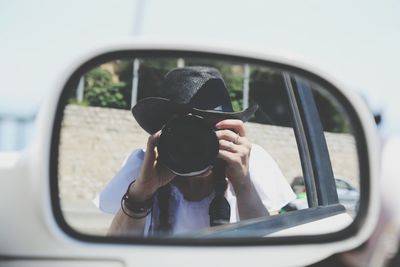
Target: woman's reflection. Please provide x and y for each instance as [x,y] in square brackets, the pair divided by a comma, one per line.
[199,169]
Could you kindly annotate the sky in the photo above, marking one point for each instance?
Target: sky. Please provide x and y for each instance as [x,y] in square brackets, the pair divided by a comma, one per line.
[355,41]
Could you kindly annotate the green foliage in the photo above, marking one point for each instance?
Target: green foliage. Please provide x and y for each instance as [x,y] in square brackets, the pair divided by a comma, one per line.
[105,97]
[232,75]
[151,75]
[267,89]
[332,119]
[234,83]
[98,77]
[101,91]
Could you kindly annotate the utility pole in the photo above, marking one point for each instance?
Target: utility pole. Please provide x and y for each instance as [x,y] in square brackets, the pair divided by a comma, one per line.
[80,89]
[180,63]
[135,81]
[246,86]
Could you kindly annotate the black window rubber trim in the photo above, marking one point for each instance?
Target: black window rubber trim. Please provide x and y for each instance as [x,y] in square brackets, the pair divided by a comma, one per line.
[261,227]
[360,138]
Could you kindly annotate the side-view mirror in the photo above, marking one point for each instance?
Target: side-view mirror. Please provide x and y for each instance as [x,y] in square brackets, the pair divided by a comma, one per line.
[177,150]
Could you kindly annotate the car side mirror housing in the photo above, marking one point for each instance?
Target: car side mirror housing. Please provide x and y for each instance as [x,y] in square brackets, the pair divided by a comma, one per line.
[86,131]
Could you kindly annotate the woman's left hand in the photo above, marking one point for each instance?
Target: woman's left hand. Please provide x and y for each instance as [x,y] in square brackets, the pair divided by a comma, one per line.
[234,149]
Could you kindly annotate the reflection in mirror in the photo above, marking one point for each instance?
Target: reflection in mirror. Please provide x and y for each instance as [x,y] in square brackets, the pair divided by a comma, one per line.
[205,148]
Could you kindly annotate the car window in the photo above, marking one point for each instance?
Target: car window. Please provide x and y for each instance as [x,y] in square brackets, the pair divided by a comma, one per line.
[341,145]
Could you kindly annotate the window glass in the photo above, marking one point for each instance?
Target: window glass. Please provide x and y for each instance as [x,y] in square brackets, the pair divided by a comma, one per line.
[342,149]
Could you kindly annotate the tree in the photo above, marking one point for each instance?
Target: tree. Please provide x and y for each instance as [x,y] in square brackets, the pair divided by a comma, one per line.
[232,75]
[101,91]
[267,89]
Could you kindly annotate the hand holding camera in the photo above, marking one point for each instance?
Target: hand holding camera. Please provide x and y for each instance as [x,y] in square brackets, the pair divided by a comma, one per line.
[153,175]
[231,145]
[234,149]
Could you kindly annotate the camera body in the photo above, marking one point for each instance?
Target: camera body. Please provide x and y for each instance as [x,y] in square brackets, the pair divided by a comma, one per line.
[188,145]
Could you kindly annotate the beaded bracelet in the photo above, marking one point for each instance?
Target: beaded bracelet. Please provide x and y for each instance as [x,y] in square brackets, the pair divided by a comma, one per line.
[135,209]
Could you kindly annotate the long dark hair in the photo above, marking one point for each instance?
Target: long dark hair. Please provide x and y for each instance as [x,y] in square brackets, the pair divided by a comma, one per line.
[219,209]
[163,198]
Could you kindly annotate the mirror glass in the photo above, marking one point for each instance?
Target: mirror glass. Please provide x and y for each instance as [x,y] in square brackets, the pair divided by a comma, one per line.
[213,148]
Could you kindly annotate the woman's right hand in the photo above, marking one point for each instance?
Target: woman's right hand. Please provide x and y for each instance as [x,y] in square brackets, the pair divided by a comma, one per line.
[153,175]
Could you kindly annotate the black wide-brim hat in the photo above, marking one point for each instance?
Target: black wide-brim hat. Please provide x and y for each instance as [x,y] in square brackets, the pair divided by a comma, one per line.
[200,91]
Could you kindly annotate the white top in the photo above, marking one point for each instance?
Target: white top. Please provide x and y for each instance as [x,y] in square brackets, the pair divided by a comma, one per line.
[186,216]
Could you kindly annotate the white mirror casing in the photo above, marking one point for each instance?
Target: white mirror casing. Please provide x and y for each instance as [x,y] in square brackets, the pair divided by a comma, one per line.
[32,233]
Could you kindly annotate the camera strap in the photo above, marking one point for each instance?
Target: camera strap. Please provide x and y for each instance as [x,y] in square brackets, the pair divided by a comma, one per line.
[219,209]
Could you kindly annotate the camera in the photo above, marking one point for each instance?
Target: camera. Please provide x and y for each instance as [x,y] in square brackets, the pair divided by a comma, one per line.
[188,145]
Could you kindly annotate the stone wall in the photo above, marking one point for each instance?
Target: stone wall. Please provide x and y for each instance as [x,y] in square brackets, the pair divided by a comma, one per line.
[95,141]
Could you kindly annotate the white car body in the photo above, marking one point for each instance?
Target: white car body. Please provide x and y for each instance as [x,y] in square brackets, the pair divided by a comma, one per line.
[31,237]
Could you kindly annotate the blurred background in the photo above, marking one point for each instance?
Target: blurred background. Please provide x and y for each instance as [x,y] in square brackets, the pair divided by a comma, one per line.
[357,42]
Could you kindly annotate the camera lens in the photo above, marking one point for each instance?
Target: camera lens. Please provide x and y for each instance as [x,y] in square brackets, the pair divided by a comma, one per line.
[188,145]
